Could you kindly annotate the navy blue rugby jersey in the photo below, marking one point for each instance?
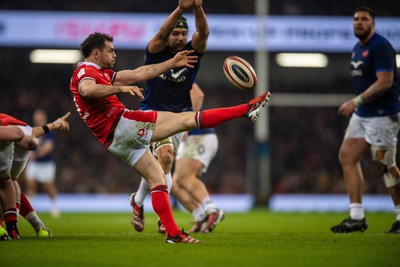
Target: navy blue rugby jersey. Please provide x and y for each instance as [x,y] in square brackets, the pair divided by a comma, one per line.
[366,60]
[44,138]
[171,90]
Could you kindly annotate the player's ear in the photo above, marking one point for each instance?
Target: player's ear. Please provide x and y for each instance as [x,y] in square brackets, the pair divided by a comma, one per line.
[96,53]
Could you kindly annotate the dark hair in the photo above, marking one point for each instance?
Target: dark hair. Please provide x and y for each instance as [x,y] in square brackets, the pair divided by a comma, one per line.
[93,41]
[366,9]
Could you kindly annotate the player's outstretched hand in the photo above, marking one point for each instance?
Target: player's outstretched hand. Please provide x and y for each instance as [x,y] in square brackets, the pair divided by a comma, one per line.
[185,59]
[185,4]
[133,90]
[61,123]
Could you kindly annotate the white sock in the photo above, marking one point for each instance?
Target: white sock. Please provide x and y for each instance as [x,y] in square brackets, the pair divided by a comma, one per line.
[142,192]
[168,178]
[18,202]
[397,211]
[34,220]
[356,211]
[199,214]
[55,211]
[208,205]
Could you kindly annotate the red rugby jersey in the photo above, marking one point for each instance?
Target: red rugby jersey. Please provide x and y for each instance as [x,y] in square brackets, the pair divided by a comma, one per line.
[98,114]
[6,120]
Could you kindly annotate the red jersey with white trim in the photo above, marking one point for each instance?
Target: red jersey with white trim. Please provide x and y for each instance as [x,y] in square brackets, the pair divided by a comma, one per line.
[100,115]
[6,120]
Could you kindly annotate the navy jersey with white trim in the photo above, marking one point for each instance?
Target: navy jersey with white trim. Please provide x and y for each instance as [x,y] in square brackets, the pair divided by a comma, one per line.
[171,90]
[374,56]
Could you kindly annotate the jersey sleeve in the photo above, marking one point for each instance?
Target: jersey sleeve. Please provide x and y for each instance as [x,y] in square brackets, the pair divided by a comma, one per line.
[6,120]
[384,57]
[83,74]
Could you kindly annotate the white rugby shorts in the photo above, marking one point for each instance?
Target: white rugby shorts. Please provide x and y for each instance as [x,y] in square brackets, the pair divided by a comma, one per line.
[131,138]
[173,140]
[201,147]
[13,158]
[42,172]
[377,131]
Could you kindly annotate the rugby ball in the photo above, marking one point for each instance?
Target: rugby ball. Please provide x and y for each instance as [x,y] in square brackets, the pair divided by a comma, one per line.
[240,73]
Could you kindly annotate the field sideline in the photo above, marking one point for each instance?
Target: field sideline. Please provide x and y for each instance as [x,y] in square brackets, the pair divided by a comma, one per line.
[256,238]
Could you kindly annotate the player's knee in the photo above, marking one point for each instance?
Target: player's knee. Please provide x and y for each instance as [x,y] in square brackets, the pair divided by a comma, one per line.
[165,157]
[344,157]
[385,159]
[391,178]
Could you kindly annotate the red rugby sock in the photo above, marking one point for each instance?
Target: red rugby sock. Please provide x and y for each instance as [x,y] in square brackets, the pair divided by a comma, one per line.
[26,206]
[10,215]
[162,206]
[213,117]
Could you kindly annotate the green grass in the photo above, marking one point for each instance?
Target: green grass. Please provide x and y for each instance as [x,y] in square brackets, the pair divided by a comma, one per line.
[257,238]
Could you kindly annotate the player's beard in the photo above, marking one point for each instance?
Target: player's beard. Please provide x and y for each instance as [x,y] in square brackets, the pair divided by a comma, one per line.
[363,35]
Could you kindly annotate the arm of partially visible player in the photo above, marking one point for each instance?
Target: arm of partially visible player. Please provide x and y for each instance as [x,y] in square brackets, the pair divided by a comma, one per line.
[29,142]
[59,124]
[200,36]
[160,40]
[379,87]
[11,133]
[147,72]
[15,134]
[197,97]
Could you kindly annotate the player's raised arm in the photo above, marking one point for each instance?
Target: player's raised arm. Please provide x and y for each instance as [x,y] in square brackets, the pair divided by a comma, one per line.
[160,40]
[147,72]
[200,36]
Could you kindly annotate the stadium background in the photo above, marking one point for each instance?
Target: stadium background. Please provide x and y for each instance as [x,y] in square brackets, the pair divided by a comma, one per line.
[303,141]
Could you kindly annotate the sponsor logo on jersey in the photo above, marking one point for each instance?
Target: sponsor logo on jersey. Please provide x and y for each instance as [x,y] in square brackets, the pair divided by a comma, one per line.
[356,72]
[365,53]
[356,64]
[80,73]
[177,77]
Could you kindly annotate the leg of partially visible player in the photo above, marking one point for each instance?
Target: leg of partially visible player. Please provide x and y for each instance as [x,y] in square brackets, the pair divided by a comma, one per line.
[147,166]
[8,203]
[31,216]
[193,195]
[385,158]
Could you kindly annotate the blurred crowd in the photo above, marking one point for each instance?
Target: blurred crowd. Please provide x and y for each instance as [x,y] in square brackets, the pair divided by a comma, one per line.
[304,141]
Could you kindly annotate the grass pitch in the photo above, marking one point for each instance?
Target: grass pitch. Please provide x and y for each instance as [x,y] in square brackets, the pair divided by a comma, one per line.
[256,238]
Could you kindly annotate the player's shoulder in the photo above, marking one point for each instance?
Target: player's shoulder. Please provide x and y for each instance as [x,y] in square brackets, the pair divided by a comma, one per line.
[189,46]
[89,67]
[380,41]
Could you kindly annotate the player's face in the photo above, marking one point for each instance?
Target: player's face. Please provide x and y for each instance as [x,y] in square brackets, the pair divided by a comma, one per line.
[39,117]
[178,39]
[363,25]
[107,56]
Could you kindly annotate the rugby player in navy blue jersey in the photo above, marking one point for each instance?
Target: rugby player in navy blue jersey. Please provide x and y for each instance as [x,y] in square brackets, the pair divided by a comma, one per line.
[374,122]
[171,90]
